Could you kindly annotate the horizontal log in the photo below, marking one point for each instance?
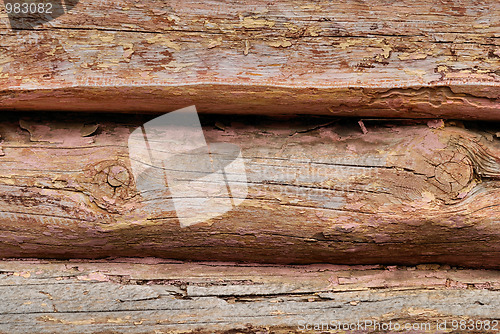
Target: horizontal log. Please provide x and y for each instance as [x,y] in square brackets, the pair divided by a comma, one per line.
[318,190]
[160,297]
[391,59]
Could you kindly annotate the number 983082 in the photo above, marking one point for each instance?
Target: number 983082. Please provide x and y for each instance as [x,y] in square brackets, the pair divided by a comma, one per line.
[28,8]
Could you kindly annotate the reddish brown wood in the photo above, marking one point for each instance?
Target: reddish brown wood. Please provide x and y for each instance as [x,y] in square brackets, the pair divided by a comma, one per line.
[319,191]
[390,58]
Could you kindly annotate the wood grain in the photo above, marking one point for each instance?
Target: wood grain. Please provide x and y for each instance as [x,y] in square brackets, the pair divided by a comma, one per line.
[152,296]
[390,58]
[319,190]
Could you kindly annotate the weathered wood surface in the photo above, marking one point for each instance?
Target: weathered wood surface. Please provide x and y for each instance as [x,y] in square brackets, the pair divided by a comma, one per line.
[387,58]
[318,191]
[154,297]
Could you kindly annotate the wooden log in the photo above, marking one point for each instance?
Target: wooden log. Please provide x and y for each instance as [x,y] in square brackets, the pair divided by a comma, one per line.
[390,59]
[318,191]
[154,297]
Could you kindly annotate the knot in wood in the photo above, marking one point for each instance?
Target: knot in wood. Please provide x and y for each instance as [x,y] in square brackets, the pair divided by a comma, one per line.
[118,176]
[456,173]
[111,179]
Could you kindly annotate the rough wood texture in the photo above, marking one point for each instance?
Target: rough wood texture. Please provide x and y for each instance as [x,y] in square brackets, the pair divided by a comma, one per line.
[154,297]
[387,58]
[319,191]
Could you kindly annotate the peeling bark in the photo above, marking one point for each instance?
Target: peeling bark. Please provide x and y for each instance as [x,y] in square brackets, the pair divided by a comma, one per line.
[319,191]
[155,296]
[389,59]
